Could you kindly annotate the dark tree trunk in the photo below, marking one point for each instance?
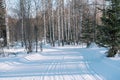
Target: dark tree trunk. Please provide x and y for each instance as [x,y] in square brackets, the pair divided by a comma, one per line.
[112,52]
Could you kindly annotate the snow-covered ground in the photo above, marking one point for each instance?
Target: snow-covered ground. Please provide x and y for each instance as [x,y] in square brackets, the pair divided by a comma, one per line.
[60,63]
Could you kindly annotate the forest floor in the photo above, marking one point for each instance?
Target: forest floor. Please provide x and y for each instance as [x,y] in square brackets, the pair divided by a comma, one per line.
[60,63]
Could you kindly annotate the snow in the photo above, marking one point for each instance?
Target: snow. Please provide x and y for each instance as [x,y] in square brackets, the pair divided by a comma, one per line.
[93,45]
[60,63]
[35,57]
[5,66]
[1,39]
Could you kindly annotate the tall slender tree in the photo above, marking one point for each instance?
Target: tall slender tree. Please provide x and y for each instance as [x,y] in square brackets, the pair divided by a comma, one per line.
[2,22]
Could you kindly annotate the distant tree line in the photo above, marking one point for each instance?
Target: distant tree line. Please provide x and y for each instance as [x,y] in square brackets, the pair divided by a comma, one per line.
[62,21]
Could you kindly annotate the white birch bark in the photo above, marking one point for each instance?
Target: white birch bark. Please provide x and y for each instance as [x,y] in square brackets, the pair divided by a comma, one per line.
[44,6]
[7,27]
[58,14]
[53,38]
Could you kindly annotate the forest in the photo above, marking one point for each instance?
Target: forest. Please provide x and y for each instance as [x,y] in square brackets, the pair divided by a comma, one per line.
[67,22]
[63,22]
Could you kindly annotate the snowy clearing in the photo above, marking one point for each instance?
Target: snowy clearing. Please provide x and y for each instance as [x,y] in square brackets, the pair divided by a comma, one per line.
[61,63]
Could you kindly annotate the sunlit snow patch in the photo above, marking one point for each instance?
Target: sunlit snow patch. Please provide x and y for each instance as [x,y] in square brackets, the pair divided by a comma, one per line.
[35,57]
[50,50]
[5,66]
[93,45]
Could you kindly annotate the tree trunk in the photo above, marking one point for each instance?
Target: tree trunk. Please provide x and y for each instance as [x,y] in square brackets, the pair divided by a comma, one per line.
[58,14]
[112,52]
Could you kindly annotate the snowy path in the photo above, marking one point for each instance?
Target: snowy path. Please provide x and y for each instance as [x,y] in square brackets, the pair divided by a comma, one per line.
[59,64]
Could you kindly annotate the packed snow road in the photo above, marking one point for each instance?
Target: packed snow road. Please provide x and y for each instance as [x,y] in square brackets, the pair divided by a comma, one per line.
[61,63]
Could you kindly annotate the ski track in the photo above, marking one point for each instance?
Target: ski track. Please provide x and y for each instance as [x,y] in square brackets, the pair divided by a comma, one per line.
[92,72]
[55,69]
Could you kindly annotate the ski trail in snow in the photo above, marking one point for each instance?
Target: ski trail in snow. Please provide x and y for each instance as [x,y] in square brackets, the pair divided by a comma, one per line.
[95,75]
[81,70]
[71,75]
[53,68]
[62,60]
[47,69]
[87,69]
[61,67]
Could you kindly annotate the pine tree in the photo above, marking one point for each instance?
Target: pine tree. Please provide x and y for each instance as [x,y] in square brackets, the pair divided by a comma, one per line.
[109,31]
[87,31]
[88,27]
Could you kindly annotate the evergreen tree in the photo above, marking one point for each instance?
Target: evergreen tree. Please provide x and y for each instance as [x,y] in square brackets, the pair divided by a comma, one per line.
[87,31]
[109,31]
